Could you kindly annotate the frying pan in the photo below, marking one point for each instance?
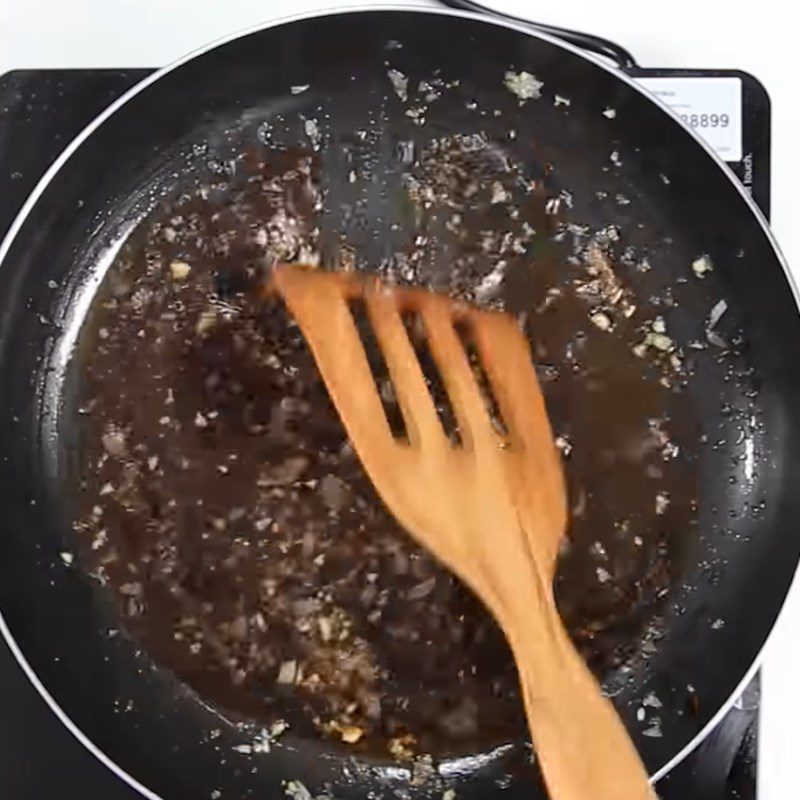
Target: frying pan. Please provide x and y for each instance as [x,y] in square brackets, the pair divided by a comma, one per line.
[735,574]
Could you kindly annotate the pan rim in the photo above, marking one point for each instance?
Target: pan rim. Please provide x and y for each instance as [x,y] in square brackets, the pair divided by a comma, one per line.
[520,27]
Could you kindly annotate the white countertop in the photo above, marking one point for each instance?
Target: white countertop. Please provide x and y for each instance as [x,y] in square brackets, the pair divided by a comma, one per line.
[760,38]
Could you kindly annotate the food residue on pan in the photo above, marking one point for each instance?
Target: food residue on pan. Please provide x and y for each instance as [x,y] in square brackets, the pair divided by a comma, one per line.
[224,507]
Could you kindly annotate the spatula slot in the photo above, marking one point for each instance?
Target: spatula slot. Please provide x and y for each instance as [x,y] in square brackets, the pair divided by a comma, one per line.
[418,337]
[378,367]
[463,328]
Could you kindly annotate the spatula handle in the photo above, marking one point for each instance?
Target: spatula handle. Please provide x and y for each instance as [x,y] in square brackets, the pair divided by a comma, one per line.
[582,746]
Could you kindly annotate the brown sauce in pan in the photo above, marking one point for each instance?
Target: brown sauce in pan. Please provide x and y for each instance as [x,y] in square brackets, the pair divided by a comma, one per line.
[223,507]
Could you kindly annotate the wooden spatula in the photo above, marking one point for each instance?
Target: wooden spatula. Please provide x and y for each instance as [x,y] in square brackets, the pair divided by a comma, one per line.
[492,509]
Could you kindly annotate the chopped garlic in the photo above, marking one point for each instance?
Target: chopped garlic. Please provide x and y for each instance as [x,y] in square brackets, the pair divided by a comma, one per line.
[311,129]
[524,85]
[287,672]
[351,734]
[651,701]
[399,82]
[701,266]
[490,284]
[499,194]
[297,791]
[278,728]
[601,320]
[206,321]
[179,270]
[660,341]
[100,539]
[564,445]
[654,731]
[603,575]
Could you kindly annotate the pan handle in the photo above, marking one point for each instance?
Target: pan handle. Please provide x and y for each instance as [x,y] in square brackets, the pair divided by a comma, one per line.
[596,44]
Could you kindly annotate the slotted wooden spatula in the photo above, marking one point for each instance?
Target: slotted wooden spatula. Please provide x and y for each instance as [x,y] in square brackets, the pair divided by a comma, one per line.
[492,509]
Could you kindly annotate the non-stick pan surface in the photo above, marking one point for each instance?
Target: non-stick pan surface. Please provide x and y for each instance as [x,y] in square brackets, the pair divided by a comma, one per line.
[683,203]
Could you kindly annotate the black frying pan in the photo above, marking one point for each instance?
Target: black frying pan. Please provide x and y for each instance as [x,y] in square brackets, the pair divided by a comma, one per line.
[733,575]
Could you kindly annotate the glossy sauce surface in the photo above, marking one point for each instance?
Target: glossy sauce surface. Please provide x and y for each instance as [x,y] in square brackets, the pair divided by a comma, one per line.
[223,506]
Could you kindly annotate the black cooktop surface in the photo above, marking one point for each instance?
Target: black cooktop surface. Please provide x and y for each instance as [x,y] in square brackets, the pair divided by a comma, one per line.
[40,112]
